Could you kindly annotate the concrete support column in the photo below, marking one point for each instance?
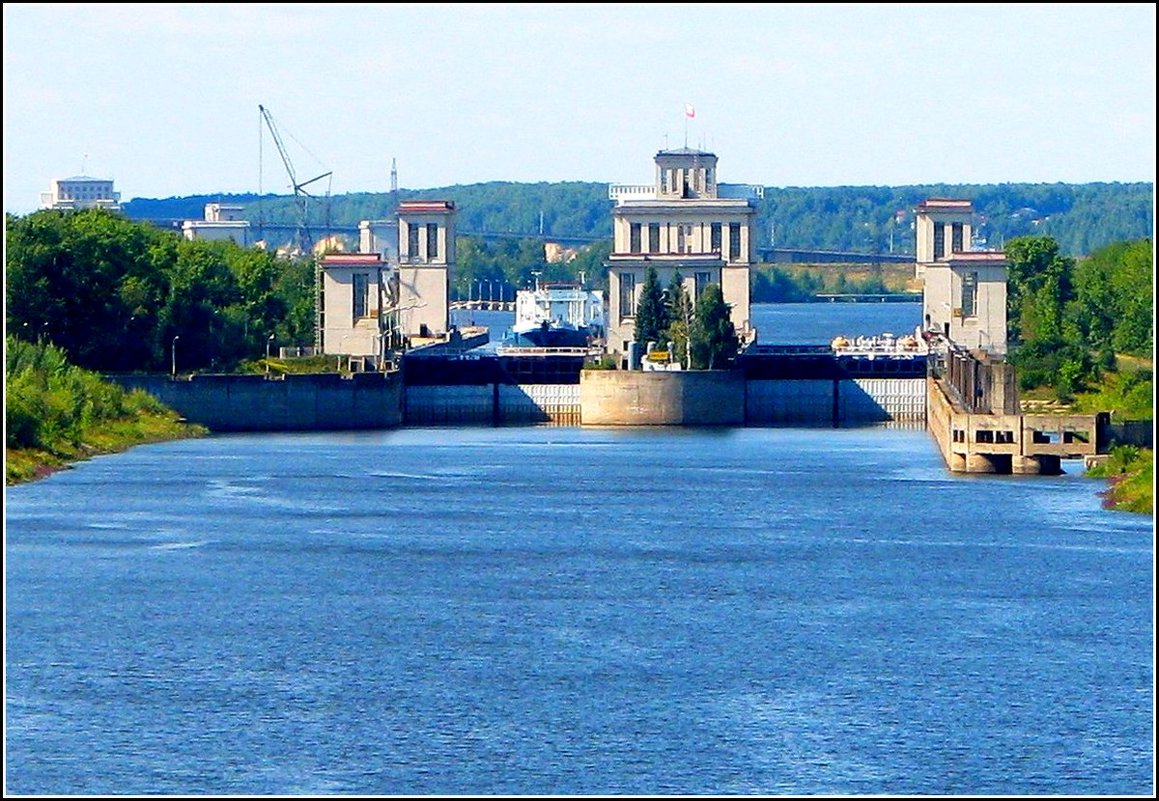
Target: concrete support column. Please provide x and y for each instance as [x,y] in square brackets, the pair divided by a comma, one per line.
[1026,466]
[980,463]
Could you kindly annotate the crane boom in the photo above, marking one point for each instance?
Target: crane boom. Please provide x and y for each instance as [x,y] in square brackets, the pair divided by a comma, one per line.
[304,243]
[278,143]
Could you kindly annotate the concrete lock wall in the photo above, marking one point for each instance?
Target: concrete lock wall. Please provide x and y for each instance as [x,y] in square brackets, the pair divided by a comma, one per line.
[316,401]
[492,404]
[539,403]
[782,402]
[637,398]
[859,401]
[470,404]
[880,400]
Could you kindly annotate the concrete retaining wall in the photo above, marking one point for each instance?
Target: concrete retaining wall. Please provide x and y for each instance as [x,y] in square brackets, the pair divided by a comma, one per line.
[638,398]
[779,402]
[492,404]
[880,400]
[313,402]
[450,405]
[372,400]
[539,403]
[836,402]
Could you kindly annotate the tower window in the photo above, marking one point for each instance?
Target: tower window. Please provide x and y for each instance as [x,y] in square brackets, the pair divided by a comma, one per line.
[969,294]
[627,295]
[361,294]
[412,241]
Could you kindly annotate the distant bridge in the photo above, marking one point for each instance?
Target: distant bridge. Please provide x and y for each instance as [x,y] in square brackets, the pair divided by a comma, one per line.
[810,256]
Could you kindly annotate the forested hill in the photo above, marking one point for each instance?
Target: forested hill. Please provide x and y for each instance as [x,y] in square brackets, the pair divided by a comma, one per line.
[1080,217]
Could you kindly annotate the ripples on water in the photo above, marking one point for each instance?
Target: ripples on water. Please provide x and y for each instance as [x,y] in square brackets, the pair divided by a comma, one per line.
[573,611]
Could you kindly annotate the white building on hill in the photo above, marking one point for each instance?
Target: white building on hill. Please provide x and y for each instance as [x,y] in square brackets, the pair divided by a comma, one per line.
[81,192]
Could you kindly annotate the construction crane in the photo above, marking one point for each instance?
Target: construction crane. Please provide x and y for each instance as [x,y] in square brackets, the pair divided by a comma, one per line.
[303,240]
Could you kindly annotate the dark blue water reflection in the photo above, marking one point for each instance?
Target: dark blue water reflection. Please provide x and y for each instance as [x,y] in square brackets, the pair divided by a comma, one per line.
[573,611]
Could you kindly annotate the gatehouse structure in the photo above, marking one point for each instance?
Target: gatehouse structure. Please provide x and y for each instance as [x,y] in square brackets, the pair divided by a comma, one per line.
[964,291]
[685,223]
[391,292]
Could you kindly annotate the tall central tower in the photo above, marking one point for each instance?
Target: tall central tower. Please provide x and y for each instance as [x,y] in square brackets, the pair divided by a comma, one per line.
[686,222]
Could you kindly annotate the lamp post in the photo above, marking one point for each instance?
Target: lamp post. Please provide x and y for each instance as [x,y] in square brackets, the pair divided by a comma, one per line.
[269,344]
[174,355]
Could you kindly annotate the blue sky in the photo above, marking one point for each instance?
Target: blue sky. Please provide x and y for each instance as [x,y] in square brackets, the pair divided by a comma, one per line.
[163,98]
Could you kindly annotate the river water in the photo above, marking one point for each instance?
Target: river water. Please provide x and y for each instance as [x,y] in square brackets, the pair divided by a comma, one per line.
[564,610]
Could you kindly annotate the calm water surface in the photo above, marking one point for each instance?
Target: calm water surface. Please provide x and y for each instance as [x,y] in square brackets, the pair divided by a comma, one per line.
[573,611]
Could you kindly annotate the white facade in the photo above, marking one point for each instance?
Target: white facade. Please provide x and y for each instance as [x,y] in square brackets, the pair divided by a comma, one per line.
[369,301]
[356,292]
[81,192]
[964,296]
[685,223]
[944,226]
[426,254]
[222,222]
[379,236]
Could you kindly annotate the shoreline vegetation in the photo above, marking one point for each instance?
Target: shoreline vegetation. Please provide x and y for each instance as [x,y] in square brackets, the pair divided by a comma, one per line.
[57,414]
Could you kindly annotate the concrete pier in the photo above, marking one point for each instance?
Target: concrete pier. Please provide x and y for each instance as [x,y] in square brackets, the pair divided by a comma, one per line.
[1009,444]
[639,398]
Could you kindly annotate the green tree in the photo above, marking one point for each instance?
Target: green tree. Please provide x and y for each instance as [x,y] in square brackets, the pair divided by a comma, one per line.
[714,339]
[1038,288]
[112,293]
[651,313]
[679,311]
[79,279]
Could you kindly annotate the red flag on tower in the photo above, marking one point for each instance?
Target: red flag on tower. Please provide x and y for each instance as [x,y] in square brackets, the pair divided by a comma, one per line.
[689,111]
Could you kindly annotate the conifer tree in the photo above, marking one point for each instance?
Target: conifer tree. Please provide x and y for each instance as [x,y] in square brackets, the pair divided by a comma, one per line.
[651,313]
[679,309]
[713,337]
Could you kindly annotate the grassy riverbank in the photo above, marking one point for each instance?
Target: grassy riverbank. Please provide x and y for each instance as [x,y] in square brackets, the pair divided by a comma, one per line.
[1128,393]
[57,414]
[1130,473]
[29,464]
